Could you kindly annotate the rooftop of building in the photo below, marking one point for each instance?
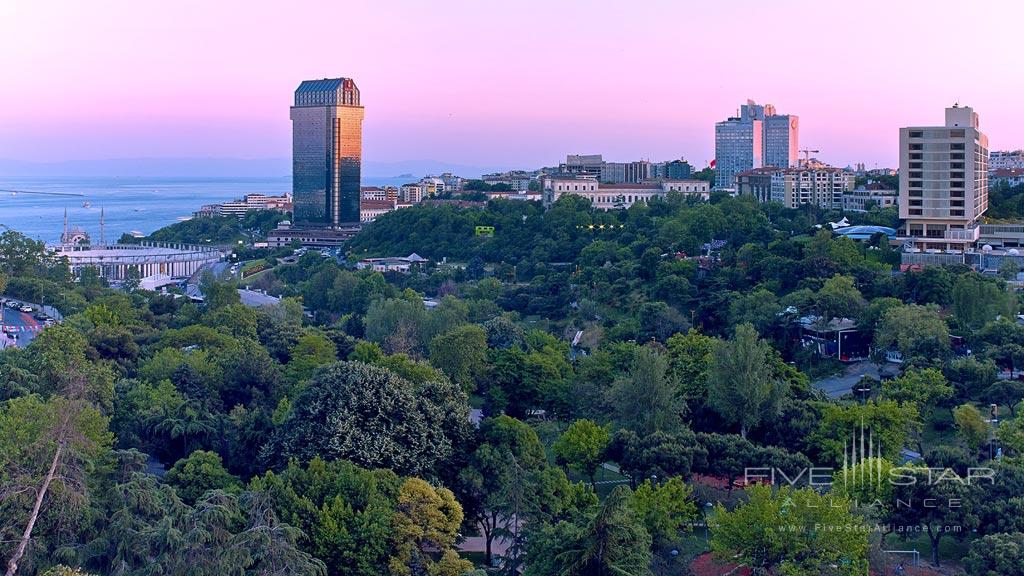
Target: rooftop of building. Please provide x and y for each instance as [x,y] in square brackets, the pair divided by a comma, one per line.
[370,204]
[629,186]
[1007,172]
[327,91]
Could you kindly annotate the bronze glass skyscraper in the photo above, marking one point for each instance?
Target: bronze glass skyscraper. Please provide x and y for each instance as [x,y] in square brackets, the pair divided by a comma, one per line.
[327,150]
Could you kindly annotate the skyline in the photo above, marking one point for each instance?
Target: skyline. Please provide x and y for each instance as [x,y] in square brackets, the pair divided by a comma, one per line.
[516,86]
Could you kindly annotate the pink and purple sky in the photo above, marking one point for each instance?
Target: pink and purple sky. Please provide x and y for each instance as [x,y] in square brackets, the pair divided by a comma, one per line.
[499,83]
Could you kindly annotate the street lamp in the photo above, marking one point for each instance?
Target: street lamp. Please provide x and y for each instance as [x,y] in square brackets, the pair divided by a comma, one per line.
[707,533]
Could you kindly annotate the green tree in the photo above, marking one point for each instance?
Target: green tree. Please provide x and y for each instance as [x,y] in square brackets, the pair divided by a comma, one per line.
[309,353]
[978,300]
[888,424]
[200,472]
[661,454]
[666,509]
[646,400]
[689,363]
[924,388]
[1006,393]
[742,386]
[970,426]
[609,540]
[581,447]
[425,526]
[508,477]
[461,354]
[938,505]
[996,554]
[373,417]
[913,330]
[839,298]
[46,448]
[791,531]
[1008,269]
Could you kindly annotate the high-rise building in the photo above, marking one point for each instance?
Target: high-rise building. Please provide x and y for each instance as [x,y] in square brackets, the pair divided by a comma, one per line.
[739,144]
[327,142]
[756,137]
[781,140]
[944,181]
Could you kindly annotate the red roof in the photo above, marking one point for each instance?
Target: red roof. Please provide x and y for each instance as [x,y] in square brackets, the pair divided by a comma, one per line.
[707,565]
[628,186]
[368,204]
[1008,172]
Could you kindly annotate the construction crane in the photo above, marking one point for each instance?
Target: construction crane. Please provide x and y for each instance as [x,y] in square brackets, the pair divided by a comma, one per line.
[807,155]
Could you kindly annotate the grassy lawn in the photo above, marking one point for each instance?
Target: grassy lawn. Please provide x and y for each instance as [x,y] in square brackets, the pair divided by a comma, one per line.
[951,550]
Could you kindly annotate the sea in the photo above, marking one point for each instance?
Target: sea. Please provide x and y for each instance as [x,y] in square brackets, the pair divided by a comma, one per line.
[35,206]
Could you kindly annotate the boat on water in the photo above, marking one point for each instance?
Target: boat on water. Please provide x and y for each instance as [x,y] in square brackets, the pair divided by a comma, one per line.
[86,204]
[136,234]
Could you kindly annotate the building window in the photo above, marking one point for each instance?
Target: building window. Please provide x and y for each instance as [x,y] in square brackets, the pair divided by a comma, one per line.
[916,133]
[915,212]
[956,146]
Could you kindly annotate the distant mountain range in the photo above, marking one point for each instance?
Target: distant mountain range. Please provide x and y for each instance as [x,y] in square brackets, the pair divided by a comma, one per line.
[219,167]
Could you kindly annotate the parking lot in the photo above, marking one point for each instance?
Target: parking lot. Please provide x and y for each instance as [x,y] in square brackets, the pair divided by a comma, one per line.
[18,328]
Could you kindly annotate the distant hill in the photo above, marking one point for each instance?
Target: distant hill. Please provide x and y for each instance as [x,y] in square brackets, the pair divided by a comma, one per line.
[219,167]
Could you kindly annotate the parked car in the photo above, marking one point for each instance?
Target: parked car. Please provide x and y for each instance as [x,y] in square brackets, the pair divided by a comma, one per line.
[27,309]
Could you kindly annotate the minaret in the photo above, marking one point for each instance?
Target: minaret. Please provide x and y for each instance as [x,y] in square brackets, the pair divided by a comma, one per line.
[64,236]
[103,239]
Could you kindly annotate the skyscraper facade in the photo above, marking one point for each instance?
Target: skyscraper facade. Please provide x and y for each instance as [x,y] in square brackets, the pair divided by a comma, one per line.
[756,137]
[781,140]
[327,142]
[944,181]
[739,144]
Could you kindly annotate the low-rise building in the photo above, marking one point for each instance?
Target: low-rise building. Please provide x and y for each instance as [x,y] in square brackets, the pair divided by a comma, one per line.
[822,186]
[874,194]
[1007,176]
[380,193]
[756,183]
[411,193]
[370,209]
[1005,160]
[431,186]
[286,235]
[248,202]
[401,264]
[607,196]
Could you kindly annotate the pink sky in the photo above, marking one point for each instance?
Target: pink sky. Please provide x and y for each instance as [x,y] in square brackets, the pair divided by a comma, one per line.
[517,83]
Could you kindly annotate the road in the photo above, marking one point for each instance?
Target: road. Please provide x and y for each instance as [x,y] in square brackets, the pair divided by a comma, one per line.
[25,325]
[842,384]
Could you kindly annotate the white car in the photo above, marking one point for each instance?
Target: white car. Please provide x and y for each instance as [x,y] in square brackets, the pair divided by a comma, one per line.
[27,309]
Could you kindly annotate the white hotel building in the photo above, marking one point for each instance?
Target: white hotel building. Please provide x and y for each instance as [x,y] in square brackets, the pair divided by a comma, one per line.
[943,182]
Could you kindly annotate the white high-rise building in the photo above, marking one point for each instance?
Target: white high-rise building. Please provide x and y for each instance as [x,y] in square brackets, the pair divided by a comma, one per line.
[944,181]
